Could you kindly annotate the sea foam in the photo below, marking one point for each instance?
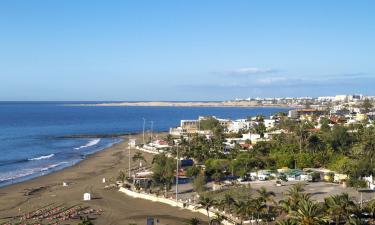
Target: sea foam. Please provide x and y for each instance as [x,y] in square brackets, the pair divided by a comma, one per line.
[89,144]
[42,157]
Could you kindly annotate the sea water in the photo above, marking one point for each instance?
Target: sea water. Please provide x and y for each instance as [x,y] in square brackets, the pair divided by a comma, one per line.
[36,137]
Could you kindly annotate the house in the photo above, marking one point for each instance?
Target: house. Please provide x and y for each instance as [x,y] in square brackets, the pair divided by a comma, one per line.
[269,123]
[297,113]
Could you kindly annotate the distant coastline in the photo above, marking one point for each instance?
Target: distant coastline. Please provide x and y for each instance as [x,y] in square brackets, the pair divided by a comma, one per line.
[190,104]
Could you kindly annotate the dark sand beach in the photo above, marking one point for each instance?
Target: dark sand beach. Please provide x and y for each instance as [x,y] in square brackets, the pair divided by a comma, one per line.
[86,176]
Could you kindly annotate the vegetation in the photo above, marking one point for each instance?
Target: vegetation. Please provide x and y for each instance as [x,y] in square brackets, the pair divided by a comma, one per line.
[163,169]
[297,207]
[346,149]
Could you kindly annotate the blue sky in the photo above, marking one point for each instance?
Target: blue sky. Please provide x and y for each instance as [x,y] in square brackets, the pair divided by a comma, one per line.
[185,50]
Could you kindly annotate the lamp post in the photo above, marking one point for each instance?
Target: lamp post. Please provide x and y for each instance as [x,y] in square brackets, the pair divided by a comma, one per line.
[177,175]
[152,130]
[129,154]
[144,124]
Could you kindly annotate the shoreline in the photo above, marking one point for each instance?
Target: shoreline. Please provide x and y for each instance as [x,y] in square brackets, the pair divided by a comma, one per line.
[63,164]
[86,176]
[187,104]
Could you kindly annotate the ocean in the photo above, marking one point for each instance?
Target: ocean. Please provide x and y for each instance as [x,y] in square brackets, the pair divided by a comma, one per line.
[35,136]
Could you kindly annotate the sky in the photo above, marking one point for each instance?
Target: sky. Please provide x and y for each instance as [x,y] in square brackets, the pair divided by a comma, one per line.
[184,50]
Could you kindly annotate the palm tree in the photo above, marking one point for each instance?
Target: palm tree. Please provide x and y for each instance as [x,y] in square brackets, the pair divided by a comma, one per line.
[294,196]
[309,213]
[228,200]
[357,221]
[121,176]
[258,207]
[138,157]
[206,203]
[266,196]
[193,221]
[85,221]
[339,207]
[371,207]
[220,204]
[241,209]
[286,222]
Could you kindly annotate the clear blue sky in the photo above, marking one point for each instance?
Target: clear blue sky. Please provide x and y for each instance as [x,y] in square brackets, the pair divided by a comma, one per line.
[185,50]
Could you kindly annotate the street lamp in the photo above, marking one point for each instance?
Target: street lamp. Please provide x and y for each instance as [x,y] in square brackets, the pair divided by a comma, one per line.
[144,124]
[177,175]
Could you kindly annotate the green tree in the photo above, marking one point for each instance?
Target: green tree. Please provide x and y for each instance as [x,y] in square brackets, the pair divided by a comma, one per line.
[266,196]
[193,221]
[286,222]
[206,203]
[121,176]
[138,157]
[309,213]
[314,143]
[366,105]
[85,221]
[339,207]
[199,183]
[193,171]
[163,169]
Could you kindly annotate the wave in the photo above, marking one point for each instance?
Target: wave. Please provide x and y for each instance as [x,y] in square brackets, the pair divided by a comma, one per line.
[42,157]
[89,144]
[10,162]
[12,175]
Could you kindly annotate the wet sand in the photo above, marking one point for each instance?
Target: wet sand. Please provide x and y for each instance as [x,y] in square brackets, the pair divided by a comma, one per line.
[87,176]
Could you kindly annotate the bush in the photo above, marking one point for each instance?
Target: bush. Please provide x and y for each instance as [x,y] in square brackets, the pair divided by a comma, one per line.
[357,183]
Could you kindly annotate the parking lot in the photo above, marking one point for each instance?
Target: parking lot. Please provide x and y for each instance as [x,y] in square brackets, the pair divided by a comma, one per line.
[318,190]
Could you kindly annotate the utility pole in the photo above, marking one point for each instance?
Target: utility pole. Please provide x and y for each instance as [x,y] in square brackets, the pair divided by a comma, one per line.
[144,124]
[152,127]
[129,154]
[177,170]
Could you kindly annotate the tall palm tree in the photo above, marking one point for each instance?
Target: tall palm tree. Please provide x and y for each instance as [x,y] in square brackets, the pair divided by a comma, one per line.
[241,209]
[309,213]
[138,157]
[229,201]
[206,203]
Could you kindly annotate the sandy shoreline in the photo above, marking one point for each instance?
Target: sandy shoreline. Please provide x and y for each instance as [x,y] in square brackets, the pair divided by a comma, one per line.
[86,176]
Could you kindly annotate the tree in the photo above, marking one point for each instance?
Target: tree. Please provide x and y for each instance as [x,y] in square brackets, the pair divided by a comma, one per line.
[260,129]
[193,171]
[241,209]
[286,222]
[366,105]
[85,221]
[309,213]
[340,207]
[370,207]
[266,196]
[163,169]
[229,201]
[314,143]
[138,157]
[193,221]
[121,176]
[199,183]
[206,203]
[209,123]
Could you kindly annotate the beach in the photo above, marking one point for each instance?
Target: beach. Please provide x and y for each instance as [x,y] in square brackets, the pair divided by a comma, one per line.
[86,176]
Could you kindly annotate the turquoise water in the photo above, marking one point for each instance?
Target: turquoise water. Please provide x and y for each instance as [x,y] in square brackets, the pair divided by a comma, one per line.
[32,134]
